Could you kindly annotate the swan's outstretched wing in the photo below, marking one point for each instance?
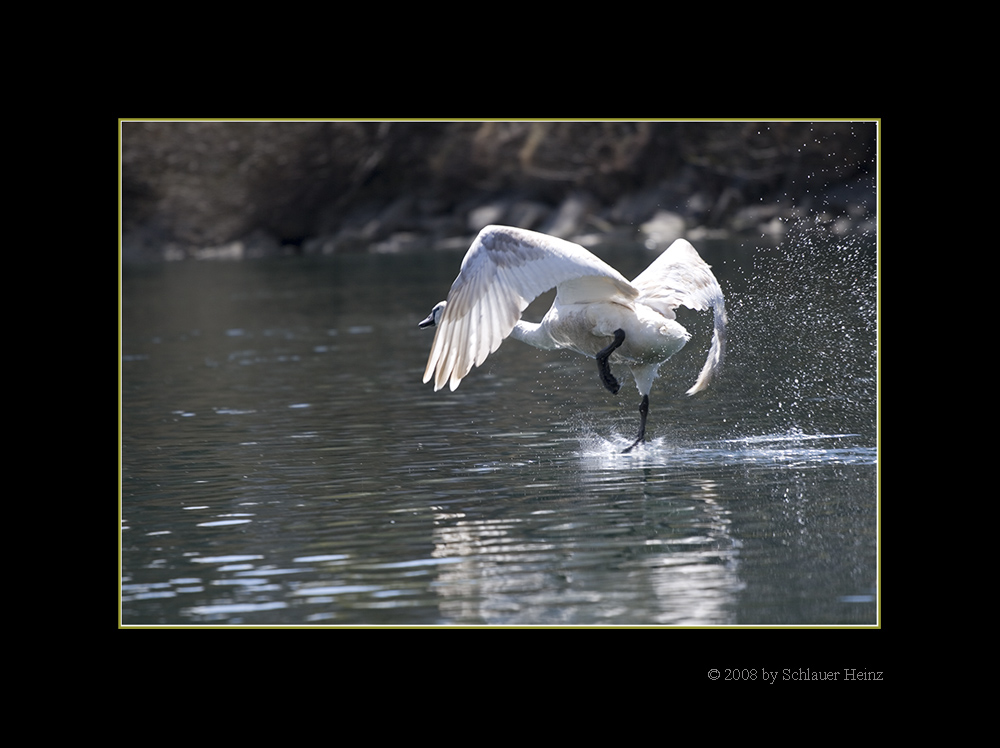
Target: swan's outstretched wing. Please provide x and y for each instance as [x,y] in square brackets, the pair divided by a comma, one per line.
[679,277]
[503,271]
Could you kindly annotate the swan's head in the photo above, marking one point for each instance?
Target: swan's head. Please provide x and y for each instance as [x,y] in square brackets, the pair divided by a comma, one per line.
[435,315]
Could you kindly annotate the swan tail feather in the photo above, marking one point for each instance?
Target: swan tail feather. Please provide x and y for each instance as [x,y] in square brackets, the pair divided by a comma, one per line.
[716,353]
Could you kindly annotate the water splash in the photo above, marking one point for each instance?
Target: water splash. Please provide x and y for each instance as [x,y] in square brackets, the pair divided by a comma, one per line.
[799,385]
[804,338]
[792,449]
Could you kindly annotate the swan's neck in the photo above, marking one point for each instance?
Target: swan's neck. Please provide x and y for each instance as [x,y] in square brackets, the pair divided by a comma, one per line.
[533,334]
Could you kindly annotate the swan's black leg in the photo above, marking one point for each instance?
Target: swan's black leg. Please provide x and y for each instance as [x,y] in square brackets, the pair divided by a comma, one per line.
[607,378]
[643,412]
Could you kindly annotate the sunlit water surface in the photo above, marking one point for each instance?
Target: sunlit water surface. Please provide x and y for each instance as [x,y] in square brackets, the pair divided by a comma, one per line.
[282,463]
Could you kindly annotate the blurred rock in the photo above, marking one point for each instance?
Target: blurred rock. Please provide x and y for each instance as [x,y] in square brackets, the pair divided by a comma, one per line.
[485,215]
[570,216]
[663,229]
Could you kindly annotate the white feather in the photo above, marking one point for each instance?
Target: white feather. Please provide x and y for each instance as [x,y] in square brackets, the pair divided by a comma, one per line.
[506,268]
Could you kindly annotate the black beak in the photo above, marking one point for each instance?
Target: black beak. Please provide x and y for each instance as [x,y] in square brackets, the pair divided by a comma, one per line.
[429,322]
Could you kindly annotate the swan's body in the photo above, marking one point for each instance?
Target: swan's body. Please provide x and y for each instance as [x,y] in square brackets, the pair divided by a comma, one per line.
[596,312]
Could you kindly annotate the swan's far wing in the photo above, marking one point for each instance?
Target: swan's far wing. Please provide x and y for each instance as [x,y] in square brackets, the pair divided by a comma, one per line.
[503,271]
[679,277]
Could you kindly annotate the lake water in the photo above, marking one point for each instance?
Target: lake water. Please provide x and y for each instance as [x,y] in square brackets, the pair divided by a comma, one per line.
[283,464]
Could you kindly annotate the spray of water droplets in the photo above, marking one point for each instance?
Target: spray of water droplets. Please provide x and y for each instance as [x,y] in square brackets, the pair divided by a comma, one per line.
[804,340]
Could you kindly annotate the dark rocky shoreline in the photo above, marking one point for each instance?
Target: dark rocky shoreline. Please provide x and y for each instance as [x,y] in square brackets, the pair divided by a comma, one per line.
[234,190]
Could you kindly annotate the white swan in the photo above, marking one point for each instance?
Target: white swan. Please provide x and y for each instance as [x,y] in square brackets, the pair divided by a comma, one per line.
[596,312]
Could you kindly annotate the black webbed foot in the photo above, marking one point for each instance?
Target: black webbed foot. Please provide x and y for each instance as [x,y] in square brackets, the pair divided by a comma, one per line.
[635,444]
[607,378]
